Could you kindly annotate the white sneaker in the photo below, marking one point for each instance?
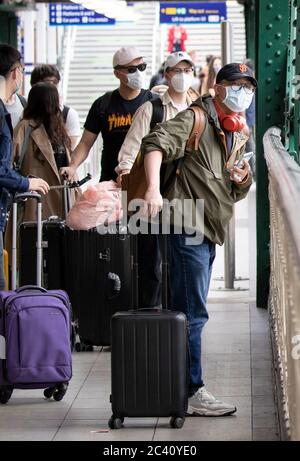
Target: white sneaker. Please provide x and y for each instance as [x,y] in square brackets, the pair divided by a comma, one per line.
[203,403]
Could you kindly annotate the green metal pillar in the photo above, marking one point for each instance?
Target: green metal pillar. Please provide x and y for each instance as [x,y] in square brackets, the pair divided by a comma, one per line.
[296,80]
[291,81]
[8,28]
[272,33]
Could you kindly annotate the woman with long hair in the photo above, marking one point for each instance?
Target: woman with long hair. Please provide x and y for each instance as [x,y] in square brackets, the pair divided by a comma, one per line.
[42,147]
[214,66]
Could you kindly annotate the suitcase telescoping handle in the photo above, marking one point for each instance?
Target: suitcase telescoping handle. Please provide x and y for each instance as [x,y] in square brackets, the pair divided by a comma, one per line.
[135,273]
[16,200]
[31,288]
[163,239]
[67,200]
[164,270]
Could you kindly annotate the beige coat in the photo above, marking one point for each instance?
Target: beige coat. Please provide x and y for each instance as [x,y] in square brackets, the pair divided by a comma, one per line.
[39,161]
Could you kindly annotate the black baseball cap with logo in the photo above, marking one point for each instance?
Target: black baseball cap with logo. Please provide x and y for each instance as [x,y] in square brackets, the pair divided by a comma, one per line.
[234,71]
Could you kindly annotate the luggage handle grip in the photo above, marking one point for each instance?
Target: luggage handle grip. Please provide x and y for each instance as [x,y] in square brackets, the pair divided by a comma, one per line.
[30,288]
[149,309]
[117,284]
[19,198]
[27,195]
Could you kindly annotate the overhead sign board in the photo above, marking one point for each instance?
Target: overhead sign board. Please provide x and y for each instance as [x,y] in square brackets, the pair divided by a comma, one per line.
[62,14]
[192,13]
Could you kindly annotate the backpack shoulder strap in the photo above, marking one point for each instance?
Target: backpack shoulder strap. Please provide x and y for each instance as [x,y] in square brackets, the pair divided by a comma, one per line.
[22,100]
[157,113]
[65,112]
[198,128]
[105,102]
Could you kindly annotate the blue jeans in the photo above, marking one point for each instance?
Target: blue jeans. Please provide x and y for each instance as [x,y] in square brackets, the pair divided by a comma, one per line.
[190,272]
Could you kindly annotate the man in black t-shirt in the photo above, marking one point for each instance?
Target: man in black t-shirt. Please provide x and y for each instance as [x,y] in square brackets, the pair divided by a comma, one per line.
[112,113]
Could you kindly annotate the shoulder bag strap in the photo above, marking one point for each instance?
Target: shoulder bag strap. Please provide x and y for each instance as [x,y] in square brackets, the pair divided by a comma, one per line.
[198,128]
[196,133]
[157,113]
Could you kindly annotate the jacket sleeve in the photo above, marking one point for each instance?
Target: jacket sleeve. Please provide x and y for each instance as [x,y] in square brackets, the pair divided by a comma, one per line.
[139,128]
[13,181]
[239,191]
[10,179]
[170,137]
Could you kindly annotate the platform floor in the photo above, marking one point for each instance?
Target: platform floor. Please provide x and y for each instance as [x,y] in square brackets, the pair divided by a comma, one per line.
[237,368]
[236,362]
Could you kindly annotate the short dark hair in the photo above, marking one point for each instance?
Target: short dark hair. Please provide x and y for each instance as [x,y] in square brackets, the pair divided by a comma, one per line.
[43,71]
[8,57]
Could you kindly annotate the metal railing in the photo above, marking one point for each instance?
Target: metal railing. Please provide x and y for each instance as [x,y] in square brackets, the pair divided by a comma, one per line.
[284,299]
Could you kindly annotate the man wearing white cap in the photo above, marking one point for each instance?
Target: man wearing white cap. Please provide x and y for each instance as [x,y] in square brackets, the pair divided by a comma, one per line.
[178,72]
[111,114]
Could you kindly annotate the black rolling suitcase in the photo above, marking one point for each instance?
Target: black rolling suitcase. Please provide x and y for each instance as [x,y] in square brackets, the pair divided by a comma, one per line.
[52,251]
[98,281]
[53,258]
[149,361]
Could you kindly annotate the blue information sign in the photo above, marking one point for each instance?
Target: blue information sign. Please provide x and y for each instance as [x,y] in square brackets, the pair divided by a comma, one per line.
[192,13]
[63,14]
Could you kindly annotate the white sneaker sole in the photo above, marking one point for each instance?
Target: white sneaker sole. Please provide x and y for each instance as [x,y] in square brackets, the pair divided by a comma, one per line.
[192,411]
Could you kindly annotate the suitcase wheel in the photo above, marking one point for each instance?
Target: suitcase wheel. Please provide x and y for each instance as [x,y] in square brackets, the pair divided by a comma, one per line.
[177,422]
[56,392]
[60,391]
[49,392]
[115,423]
[78,347]
[83,345]
[5,394]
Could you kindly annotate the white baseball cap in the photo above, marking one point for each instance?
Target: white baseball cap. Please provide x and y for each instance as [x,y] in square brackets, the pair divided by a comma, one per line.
[126,55]
[177,57]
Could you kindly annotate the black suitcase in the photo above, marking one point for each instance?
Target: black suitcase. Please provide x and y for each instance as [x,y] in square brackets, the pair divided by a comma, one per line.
[98,281]
[53,235]
[149,361]
[52,254]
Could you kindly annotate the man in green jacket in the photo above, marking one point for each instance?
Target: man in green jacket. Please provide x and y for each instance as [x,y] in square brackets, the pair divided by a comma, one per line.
[208,172]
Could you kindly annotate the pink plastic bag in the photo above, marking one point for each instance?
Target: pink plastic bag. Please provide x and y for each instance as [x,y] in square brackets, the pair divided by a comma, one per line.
[99,204]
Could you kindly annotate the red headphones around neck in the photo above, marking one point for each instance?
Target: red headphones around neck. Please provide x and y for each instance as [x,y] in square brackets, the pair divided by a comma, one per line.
[230,122]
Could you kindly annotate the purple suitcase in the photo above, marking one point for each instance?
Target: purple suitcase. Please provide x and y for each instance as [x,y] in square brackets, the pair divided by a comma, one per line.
[35,329]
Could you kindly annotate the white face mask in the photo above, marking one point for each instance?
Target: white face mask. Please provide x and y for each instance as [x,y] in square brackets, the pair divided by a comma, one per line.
[18,86]
[181,82]
[237,101]
[17,89]
[136,80]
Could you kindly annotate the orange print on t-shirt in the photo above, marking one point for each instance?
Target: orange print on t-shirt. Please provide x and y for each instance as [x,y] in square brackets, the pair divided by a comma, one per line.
[116,120]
